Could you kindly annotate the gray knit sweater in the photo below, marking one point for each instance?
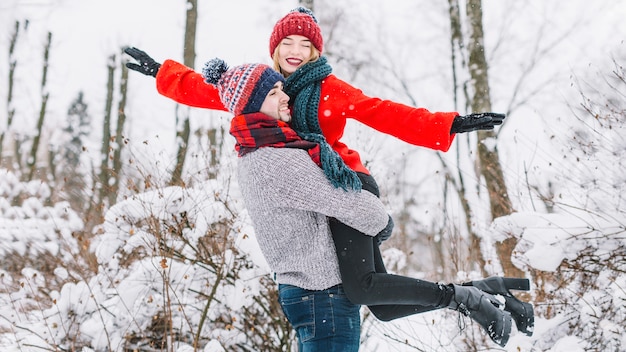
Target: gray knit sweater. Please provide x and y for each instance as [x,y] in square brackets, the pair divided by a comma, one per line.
[288,198]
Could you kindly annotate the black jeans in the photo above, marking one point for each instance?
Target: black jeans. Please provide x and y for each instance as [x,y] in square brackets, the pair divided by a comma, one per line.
[366,281]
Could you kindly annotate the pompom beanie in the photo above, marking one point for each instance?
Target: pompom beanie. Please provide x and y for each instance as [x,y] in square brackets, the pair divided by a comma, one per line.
[300,21]
[242,88]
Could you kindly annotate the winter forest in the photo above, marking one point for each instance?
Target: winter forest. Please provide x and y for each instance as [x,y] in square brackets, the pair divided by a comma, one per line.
[121,223]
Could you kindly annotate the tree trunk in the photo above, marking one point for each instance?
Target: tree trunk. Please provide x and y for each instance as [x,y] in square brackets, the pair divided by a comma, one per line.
[32,159]
[491,169]
[182,116]
[12,65]
[103,183]
[119,138]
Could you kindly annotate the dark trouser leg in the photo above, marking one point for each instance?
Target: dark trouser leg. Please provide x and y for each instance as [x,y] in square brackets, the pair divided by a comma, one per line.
[367,286]
[393,311]
[365,278]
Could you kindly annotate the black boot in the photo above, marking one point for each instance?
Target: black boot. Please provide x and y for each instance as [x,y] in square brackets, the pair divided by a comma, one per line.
[483,309]
[521,312]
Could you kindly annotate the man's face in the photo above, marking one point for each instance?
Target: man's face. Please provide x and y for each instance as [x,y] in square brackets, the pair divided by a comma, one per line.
[276,103]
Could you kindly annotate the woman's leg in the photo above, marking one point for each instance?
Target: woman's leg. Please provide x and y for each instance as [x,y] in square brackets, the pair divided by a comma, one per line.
[364,285]
[393,311]
[365,278]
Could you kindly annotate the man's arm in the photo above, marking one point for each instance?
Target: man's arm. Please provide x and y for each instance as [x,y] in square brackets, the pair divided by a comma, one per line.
[301,184]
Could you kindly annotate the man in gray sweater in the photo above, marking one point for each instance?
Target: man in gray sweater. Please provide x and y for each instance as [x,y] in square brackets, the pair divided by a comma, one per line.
[290,196]
[289,199]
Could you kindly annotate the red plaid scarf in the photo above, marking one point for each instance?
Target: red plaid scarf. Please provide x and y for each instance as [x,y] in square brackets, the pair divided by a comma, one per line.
[257,130]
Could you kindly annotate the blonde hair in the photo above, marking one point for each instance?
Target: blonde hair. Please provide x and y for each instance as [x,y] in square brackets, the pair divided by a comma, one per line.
[315,54]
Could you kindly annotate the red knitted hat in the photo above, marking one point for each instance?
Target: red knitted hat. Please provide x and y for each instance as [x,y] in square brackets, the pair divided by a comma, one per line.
[300,21]
[242,88]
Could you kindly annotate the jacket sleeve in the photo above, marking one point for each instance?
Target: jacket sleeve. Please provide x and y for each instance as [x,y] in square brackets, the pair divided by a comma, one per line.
[186,86]
[416,126]
[301,184]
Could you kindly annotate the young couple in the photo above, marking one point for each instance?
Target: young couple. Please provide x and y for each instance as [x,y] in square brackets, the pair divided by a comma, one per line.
[319,233]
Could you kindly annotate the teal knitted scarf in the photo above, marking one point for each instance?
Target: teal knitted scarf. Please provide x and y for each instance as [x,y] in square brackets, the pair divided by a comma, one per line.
[303,87]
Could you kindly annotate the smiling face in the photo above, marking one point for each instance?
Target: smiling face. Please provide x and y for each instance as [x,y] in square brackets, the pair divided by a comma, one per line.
[276,103]
[294,51]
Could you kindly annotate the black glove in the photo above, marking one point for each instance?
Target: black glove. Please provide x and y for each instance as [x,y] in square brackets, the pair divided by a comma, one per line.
[385,233]
[478,121]
[146,65]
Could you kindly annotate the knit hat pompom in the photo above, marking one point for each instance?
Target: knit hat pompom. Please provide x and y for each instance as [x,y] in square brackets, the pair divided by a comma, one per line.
[213,70]
[299,21]
[305,11]
[242,88]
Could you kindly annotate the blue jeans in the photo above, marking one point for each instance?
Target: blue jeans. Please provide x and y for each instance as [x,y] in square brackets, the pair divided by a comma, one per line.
[325,321]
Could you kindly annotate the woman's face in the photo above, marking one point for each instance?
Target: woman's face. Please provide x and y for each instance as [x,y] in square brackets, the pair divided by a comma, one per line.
[276,103]
[293,52]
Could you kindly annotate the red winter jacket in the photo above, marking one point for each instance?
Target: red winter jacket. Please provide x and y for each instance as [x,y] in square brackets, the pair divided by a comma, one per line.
[338,102]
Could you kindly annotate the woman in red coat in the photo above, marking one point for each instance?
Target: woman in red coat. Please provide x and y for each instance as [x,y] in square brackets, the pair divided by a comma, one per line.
[321,105]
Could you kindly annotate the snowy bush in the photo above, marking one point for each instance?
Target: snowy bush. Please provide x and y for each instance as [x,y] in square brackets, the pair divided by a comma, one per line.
[579,275]
[171,273]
